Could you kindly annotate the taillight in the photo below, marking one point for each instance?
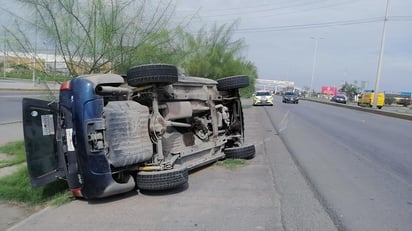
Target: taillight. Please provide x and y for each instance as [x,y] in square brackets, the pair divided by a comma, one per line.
[77,192]
[65,86]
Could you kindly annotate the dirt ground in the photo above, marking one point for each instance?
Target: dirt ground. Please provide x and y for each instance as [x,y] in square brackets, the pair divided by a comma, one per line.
[13,213]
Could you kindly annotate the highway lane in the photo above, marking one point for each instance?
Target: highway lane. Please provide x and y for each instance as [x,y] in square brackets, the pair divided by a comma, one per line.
[11,103]
[359,164]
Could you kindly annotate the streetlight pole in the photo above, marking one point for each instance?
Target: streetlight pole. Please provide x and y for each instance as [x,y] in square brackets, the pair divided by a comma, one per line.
[378,72]
[35,53]
[5,54]
[314,63]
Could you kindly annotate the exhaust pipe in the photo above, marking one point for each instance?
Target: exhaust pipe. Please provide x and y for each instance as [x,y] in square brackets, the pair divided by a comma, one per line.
[112,91]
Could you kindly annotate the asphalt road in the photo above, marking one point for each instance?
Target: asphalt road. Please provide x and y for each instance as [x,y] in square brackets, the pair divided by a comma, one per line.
[358,164]
[11,106]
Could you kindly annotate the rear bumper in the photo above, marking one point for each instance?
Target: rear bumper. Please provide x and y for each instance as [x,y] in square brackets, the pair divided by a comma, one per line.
[100,186]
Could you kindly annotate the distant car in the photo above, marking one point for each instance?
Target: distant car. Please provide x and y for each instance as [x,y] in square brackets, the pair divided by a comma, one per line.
[290,97]
[263,98]
[339,99]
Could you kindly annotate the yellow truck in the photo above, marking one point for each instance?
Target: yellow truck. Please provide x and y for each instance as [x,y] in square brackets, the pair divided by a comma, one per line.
[366,99]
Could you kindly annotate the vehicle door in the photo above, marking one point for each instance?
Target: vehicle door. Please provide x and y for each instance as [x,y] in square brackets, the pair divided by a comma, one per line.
[42,136]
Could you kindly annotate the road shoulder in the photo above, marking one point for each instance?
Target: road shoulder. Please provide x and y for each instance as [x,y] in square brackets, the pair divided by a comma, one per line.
[217,198]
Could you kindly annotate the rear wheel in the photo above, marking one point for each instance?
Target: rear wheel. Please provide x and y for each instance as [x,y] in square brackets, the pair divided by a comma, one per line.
[162,180]
[162,74]
[232,82]
[245,152]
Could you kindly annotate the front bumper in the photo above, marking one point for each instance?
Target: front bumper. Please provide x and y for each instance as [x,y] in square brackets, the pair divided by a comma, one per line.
[290,100]
[268,101]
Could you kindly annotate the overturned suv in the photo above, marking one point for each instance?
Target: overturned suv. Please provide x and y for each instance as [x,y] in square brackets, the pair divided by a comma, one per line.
[111,134]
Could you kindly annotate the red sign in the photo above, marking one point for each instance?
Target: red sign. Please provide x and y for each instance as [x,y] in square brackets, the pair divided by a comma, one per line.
[330,91]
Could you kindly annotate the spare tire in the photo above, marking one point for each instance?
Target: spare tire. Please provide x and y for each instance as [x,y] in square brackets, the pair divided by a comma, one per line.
[232,82]
[162,74]
[162,180]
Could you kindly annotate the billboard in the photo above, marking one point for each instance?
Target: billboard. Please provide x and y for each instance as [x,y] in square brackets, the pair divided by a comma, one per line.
[329,91]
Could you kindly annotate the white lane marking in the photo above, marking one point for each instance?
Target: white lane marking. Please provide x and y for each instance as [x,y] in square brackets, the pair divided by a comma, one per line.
[284,122]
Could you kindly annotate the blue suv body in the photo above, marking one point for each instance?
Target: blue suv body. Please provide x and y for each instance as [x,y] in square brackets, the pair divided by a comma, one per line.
[110,134]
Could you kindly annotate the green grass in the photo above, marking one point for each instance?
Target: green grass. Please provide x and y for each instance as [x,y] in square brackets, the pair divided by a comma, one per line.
[232,164]
[16,186]
[16,152]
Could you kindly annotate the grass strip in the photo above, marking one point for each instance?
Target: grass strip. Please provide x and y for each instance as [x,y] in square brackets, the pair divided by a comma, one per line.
[16,186]
[232,164]
[16,152]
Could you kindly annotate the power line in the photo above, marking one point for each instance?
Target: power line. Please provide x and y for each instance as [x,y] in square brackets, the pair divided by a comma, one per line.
[312,6]
[320,25]
[400,18]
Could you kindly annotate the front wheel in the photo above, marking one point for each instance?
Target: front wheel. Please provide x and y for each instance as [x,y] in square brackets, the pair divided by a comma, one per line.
[232,82]
[162,74]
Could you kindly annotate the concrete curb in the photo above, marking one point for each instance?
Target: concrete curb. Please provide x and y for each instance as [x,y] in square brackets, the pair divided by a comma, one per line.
[27,89]
[11,122]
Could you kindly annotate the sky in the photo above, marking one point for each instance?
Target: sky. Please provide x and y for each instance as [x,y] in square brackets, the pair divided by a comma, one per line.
[281,37]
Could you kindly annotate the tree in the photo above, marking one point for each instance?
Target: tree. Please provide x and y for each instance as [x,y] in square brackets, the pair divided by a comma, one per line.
[100,36]
[215,54]
[94,35]
[351,90]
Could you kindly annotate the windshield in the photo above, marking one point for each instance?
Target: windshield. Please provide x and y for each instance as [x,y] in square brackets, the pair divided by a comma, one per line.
[263,93]
[289,93]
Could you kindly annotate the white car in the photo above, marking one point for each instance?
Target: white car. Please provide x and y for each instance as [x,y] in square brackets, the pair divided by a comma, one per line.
[263,97]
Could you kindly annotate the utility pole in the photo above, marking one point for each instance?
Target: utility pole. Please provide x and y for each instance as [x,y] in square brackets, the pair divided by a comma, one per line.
[314,64]
[378,72]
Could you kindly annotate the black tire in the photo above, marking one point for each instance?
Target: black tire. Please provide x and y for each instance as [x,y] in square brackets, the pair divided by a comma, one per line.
[232,82]
[162,180]
[163,74]
[245,152]
[379,107]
